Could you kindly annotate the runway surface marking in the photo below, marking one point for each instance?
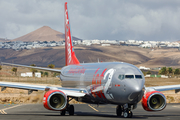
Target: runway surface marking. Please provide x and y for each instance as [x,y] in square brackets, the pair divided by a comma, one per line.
[93,108]
[3,110]
[177,106]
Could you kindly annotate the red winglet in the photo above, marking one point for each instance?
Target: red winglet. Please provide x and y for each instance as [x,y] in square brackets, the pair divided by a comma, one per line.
[69,50]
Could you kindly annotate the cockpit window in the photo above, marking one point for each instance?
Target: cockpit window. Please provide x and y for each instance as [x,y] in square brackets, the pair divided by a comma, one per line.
[129,76]
[121,77]
[138,76]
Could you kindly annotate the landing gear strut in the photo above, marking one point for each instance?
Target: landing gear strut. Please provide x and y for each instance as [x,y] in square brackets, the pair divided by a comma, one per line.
[119,110]
[124,111]
[63,112]
[69,108]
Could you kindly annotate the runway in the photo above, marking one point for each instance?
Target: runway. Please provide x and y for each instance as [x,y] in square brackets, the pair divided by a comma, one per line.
[83,112]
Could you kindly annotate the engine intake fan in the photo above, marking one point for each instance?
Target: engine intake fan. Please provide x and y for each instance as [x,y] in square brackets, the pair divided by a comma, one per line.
[154,101]
[55,100]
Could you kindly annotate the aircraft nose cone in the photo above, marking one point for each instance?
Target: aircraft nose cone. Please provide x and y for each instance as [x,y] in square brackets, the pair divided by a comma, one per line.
[134,95]
[136,91]
[136,86]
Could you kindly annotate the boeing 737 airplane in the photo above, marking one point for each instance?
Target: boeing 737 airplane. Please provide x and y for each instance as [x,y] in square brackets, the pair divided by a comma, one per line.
[116,83]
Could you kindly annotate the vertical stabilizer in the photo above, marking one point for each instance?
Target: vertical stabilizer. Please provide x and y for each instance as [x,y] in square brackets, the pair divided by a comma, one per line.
[69,50]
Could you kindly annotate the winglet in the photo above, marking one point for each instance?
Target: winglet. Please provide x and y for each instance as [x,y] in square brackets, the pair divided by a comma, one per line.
[69,50]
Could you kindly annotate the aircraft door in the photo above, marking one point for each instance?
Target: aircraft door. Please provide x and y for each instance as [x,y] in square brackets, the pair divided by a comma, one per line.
[82,77]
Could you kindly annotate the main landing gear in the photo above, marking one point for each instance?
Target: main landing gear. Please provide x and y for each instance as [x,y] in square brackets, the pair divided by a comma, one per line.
[69,108]
[124,111]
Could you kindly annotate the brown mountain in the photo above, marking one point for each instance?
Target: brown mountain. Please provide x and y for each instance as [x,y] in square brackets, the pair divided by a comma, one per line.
[44,33]
[56,55]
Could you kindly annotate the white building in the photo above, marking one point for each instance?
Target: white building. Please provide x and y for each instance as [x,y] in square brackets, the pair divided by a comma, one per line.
[27,74]
[146,45]
[131,41]
[143,68]
[37,74]
[173,44]
[105,44]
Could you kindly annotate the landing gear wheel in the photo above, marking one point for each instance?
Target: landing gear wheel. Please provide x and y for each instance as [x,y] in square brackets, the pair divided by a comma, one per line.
[63,112]
[119,110]
[71,110]
[125,114]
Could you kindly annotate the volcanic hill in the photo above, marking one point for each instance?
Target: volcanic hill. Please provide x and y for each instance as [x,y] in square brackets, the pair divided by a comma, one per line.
[44,33]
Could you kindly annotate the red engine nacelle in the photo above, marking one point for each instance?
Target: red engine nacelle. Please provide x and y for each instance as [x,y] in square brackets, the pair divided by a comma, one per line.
[55,100]
[154,101]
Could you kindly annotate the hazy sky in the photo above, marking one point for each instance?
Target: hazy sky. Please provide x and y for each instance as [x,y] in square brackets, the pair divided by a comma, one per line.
[94,19]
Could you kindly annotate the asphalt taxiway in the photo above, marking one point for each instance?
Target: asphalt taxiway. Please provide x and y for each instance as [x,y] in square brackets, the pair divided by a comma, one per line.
[83,112]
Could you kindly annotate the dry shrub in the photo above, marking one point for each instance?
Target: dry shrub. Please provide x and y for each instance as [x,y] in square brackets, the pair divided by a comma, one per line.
[170,99]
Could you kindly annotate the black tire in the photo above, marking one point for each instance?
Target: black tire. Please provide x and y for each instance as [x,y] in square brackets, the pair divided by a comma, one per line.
[119,110]
[125,114]
[130,114]
[63,112]
[71,110]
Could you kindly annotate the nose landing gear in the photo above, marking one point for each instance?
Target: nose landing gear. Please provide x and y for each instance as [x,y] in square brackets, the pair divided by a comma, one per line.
[127,114]
[124,111]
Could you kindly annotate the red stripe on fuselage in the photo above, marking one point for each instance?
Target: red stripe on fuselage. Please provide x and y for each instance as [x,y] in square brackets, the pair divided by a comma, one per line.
[96,82]
[101,77]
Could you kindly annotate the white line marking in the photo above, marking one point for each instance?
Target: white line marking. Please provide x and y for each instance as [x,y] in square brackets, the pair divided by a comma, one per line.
[3,110]
[12,107]
[93,108]
[177,106]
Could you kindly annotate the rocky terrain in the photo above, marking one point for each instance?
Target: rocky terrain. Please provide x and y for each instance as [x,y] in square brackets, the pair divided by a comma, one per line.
[130,54]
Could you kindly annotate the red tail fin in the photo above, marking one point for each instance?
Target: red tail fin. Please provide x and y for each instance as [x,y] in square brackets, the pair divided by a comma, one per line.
[69,50]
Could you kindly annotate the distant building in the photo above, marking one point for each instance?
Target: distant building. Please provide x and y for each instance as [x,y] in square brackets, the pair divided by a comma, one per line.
[27,74]
[143,68]
[37,74]
[105,44]
[146,45]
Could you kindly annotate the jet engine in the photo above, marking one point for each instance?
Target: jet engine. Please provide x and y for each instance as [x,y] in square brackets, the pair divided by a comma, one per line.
[55,100]
[154,101]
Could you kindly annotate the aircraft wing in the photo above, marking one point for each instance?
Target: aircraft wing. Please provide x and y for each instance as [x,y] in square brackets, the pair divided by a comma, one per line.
[40,68]
[164,88]
[71,92]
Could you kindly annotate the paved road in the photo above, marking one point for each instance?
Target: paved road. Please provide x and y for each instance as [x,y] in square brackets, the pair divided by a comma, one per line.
[83,112]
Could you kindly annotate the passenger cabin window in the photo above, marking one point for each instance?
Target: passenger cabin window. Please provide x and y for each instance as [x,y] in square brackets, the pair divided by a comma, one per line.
[138,76]
[129,76]
[121,77]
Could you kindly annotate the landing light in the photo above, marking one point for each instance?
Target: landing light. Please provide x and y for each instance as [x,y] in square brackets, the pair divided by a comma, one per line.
[81,91]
